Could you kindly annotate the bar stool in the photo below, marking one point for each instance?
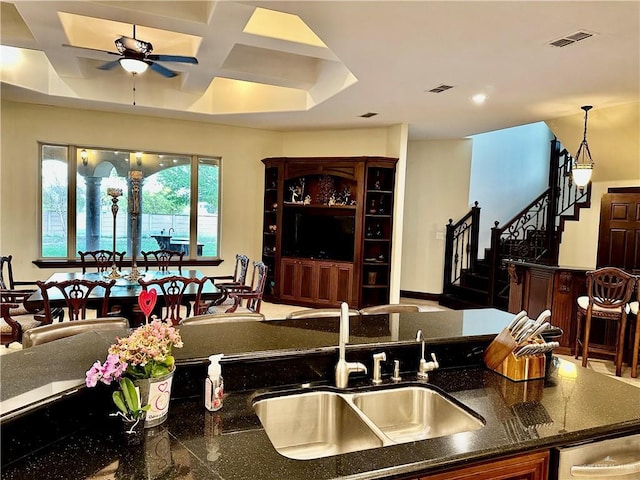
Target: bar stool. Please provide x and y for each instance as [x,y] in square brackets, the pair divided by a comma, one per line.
[609,291]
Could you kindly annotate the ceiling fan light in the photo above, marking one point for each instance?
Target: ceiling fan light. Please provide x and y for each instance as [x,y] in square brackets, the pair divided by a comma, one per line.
[133,65]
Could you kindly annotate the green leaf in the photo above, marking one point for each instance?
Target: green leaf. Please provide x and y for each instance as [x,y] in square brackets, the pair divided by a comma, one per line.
[130,394]
[118,399]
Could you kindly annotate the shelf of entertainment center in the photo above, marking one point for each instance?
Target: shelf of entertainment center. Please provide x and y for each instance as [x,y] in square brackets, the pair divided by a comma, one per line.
[319,206]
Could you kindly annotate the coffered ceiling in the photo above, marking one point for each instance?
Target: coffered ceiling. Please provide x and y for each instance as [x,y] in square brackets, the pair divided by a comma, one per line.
[288,65]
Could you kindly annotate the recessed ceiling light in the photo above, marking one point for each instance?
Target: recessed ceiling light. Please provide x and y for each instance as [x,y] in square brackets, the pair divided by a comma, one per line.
[368,115]
[479,98]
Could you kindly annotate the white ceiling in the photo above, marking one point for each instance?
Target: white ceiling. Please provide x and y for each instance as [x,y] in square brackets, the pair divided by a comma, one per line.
[381,56]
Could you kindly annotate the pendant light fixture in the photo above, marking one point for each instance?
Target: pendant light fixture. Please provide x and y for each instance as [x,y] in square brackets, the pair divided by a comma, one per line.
[582,166]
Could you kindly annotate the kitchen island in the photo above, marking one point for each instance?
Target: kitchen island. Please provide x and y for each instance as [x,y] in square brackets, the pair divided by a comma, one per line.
[519,417]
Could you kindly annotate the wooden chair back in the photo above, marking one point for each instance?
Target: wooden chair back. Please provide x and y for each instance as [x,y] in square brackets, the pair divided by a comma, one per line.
[164,259]
[7,282]
[610,287]
[102,260]
[258,281]
[172,289]
[6,273]
[76,294]
[240,270]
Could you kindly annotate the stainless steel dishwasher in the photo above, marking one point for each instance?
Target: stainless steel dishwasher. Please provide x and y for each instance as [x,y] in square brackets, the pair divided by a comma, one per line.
[613,459]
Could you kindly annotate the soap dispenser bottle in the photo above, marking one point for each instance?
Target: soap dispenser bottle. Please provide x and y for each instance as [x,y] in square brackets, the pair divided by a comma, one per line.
[214,385]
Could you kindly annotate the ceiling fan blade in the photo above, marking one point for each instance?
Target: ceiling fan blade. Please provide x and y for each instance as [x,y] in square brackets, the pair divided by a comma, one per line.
[156,67]
[91,49]
[173,58]
[109,65]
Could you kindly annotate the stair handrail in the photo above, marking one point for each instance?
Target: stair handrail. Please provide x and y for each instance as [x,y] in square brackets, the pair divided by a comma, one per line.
[542,218]
[461,246]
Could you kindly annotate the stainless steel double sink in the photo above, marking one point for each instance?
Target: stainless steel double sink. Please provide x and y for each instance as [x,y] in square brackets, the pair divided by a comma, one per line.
[320,423]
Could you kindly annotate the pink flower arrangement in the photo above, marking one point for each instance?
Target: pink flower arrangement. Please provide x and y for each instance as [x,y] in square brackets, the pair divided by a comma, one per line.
[147,351]
[112,370]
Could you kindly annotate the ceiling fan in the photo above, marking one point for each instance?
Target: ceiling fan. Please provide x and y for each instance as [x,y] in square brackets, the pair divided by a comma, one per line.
[135,57]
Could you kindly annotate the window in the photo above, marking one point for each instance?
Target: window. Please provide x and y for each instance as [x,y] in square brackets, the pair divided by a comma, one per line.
[177,204]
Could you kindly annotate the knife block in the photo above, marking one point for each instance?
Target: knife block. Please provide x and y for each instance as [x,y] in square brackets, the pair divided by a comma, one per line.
[523,368]
[499,357]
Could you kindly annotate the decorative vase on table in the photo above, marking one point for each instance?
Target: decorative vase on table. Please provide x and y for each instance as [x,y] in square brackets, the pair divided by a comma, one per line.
[143,366]
[156,392]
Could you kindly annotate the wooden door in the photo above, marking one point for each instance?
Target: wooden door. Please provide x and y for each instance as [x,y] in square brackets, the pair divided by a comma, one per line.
[619,235]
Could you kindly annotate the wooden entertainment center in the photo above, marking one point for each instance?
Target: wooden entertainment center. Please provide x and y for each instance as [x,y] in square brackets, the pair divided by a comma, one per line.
[327,230]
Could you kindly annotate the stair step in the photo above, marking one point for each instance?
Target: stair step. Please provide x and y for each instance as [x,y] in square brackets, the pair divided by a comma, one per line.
[455,303]
[469,294]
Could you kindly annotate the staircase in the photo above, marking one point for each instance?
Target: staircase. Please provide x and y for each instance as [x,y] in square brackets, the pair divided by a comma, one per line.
[533,235]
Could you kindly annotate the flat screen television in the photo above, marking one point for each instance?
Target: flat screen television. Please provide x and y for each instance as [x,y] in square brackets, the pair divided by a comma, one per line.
[319,236]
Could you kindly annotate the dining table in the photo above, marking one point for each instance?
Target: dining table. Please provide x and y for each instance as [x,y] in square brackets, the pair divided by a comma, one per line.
[124,293]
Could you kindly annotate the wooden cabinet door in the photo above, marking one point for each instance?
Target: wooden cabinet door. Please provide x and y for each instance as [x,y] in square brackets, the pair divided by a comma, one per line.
[335,283]
[326,283]
[306,281]
[344,283]
[288,278]
[532,466]
[619,235]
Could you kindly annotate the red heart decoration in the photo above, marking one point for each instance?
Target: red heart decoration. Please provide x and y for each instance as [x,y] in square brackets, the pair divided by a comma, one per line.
[147,300]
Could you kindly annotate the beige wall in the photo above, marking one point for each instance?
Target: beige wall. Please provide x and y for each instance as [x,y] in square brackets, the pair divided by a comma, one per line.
[437,188]
[613,135]
[241,149]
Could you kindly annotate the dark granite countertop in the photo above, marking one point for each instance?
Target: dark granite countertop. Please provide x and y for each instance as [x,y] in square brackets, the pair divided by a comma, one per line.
[44,373]
[231,444]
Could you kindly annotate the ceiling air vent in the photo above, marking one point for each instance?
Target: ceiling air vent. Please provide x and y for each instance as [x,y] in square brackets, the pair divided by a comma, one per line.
[440,88]
[570,39]
[368,115]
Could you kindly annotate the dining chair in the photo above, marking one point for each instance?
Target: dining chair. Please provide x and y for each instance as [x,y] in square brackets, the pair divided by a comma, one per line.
[77,294]
[319,313]
[389,308]
[221,282]
[102,260]
[222,318]
[163,259]
[7,282]
[56,331]
[13,327]
[172,289]
[251,294]
[609,291]
[17,318]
